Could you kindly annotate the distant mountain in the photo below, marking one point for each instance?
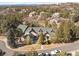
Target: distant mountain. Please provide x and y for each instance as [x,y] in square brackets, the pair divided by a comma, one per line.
[21,4]
[15,4]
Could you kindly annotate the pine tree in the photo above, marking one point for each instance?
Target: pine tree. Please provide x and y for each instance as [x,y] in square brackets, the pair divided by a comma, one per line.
[54,25]
[65,32]
[69,31]
[59,33]
[77,32]
[67,27]
[46,23]
[28,40]
[40,38]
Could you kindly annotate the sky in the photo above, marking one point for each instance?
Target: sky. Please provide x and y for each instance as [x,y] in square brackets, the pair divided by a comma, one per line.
[34,1]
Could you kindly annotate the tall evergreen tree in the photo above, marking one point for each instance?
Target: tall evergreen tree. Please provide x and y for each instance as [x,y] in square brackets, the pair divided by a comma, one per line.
[59,33]
[28,40]
[69,31]
[40,38]
[77,32]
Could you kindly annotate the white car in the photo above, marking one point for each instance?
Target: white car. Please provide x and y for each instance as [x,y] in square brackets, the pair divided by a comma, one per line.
[39,54]
[55,52]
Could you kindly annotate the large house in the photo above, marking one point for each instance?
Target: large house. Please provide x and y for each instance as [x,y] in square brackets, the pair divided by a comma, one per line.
[33,32]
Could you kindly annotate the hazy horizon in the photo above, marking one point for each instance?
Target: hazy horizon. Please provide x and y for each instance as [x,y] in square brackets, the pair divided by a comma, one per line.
[28,2]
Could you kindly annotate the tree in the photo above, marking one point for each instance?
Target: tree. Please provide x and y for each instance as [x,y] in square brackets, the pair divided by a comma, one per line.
[40,38]
[77,32]
[9,21]
[77,53]
[75,16]
[69,31]
[11,38]
[59,33]
[54,25]
[62,53]
[48,42]
[66,32]
[46,23]
[18,32]
[67,27]
[65,13]
[28,40]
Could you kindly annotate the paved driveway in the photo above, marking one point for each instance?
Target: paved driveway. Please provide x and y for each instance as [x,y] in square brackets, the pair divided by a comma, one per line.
[8,51]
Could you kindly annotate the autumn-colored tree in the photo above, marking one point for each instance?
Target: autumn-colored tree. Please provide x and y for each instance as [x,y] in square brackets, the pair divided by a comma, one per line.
[28,40]
[46,23]
[54,25]
[69,31]
[40,38]
[77,32]
[59,33]
[66,32]
[65,13]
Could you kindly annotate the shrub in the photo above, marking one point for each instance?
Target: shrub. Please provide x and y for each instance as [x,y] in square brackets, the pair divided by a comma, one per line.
[62,53]
[77,53]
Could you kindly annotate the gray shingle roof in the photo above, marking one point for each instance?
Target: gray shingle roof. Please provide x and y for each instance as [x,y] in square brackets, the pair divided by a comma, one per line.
[27,29]
[37,29]
[22,27]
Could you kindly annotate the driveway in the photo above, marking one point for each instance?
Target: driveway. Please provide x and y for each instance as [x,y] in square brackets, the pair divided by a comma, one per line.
[68,47]
[5,49]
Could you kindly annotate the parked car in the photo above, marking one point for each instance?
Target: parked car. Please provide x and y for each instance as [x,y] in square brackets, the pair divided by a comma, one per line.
[53,53]
[41,54]
[47,54]
[44,54]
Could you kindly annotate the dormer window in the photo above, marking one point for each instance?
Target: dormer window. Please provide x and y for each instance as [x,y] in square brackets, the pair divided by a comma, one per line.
[40,30]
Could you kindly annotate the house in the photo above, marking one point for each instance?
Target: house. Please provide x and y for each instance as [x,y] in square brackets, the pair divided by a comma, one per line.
[37,30]
[33,32]
[22,27]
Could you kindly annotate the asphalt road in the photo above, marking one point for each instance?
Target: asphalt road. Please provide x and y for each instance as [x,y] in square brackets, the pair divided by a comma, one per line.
[68,47]
[5,49]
